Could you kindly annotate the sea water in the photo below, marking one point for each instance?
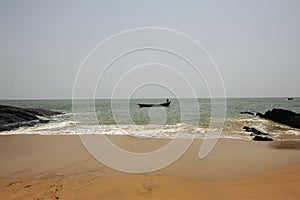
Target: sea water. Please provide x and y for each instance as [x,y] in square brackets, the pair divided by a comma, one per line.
[183,118]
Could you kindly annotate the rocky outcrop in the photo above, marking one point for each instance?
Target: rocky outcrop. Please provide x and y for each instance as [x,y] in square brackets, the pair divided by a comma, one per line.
[262,138]
[14,117]
[247,113]
[286,117]
[258,135]
[255,131]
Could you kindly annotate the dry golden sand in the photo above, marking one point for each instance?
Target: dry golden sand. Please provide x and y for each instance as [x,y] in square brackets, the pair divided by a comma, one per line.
[59,167]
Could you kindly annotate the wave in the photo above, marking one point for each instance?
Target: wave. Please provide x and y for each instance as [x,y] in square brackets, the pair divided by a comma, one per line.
[233,129]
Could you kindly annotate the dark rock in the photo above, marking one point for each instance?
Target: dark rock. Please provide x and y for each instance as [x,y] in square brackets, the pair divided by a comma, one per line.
[4,128]
[8,127]
[286,117]
[260,115]
[262,138]
[254,131]
[43,121]
[14,117]
[247,128]
[247,113]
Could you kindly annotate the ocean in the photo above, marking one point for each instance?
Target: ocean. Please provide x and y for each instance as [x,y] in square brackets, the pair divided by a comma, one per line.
[183,117]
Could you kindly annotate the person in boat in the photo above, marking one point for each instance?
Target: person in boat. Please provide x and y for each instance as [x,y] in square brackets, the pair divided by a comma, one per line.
[168,100]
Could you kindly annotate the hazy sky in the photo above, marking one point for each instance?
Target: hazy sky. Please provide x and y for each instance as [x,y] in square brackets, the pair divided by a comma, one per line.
[256,44]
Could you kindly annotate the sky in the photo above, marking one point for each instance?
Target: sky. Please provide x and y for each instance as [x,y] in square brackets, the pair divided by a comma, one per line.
[255,45]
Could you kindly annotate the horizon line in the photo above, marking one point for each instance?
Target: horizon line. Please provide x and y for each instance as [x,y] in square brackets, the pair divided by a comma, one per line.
[228,97]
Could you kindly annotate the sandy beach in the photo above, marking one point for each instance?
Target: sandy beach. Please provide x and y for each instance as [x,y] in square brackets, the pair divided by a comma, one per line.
[59,167]
[162,81]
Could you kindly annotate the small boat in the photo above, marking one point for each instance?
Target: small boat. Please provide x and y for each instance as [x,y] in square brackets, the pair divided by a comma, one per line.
[290,98]
[166,104]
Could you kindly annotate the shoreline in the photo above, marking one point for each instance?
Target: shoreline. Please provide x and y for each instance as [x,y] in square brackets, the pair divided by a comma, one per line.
[37,165]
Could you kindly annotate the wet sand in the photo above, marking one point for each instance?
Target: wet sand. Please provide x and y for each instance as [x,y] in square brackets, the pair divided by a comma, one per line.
[59,167]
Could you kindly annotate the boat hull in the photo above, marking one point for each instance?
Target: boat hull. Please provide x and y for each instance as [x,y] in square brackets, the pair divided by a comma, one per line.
[141,105]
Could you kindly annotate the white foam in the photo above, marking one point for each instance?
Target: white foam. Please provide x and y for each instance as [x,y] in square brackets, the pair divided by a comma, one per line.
[293,132]
[233,129]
